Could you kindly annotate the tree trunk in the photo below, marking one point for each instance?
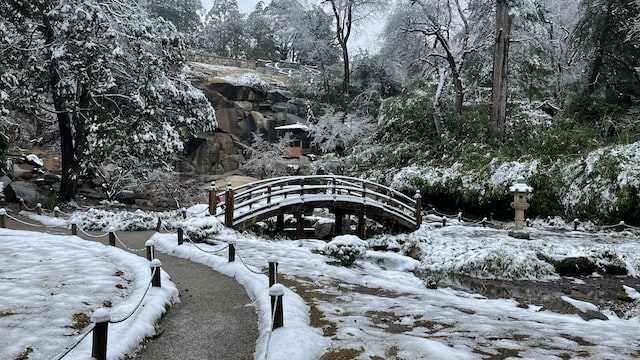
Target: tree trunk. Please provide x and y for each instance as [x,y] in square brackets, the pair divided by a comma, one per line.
[499,85]
[68,182]
[347,77]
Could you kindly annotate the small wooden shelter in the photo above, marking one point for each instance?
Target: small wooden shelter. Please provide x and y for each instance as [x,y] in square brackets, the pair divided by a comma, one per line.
[301,142]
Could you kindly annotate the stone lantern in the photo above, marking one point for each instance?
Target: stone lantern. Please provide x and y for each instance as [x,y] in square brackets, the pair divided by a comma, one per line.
[520,190]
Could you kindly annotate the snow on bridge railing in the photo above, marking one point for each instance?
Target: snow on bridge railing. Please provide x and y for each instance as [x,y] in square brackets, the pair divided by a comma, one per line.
[263,197]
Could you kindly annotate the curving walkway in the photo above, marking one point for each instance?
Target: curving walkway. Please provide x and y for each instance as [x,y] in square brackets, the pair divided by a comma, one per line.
[214,320]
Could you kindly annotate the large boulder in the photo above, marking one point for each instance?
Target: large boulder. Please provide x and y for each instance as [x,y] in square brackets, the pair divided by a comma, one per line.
[22,190]
[212,153]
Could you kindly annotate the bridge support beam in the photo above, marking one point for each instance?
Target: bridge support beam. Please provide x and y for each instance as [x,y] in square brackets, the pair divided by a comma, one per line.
[280,222]
[337,228]
[362,226]
[299,225]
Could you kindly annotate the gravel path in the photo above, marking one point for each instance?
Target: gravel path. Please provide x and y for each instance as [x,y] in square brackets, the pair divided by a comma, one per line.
[215,318]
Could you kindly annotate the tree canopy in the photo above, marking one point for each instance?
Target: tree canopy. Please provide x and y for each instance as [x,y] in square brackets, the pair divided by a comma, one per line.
[111,76]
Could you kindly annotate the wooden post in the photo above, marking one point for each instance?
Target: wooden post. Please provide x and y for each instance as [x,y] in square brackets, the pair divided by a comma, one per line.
[184,212]
[112,238]
[39,209]
[444,221]
[232,251]
[299,225]
[150,249]
[576,222]
[56,211]
[484,222]
[418,198]
[180,235]
[155,266]
[273,271]
[3,214]
[280,222]
[228,211]
[362,226]
[21,204]
[74,229]
[159,225]
[213,198]
[276,292]
[269,195]
[101,318]
[338,223]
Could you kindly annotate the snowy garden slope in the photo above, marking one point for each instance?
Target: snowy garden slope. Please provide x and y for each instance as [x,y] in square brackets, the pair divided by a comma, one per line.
[50,285]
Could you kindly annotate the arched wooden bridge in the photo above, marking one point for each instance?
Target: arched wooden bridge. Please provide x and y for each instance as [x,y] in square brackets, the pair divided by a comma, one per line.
[249,203]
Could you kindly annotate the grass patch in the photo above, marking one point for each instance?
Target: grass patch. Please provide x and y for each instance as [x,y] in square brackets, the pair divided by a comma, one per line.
[305,289]
[342,354]
[80,321]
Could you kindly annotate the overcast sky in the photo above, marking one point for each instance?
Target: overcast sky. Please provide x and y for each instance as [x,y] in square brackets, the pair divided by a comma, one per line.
[246,6]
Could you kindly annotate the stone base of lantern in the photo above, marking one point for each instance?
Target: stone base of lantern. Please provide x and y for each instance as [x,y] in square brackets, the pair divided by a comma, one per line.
[520,234]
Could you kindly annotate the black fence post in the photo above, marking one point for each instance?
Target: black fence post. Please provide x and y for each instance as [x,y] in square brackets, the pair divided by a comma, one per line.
[155,266]
[273,271]
[150,249]
[112,238]
[276,292]
[232,251]
[3,214]
[180,235]
[100,318]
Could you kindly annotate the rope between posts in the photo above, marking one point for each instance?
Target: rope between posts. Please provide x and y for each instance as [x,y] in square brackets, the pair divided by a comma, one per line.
[82,336]
[125,246]
[247,266]
[24,222]
[207,251]
[93,236]
[25,205]
[443,214]
[139,302]
[273,320]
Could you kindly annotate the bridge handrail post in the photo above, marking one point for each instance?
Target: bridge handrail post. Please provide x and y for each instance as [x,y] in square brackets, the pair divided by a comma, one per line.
[418,198]
[269,194]
[228,212]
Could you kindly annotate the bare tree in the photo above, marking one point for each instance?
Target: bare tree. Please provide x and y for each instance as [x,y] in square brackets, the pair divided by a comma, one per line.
[347,14]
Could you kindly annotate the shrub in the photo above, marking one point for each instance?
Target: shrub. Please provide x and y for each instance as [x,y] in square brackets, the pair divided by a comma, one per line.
[346,249]
[202,228]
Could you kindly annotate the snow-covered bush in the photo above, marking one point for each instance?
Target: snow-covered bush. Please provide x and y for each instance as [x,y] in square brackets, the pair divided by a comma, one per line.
[346,249]
[201,228]
[103,220]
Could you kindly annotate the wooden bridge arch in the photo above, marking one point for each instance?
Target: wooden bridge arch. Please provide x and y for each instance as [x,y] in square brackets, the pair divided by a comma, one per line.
[263,199]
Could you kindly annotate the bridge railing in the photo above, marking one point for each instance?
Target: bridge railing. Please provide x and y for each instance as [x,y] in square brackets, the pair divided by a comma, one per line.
[259,197]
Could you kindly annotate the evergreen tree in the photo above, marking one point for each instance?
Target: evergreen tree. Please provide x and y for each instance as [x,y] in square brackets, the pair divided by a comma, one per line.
[183,14]
[110,74]
[604,35]
[262,44]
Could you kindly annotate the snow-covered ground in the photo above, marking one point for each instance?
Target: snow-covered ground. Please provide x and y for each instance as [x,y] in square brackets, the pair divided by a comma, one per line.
[50,285]
[377,309]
